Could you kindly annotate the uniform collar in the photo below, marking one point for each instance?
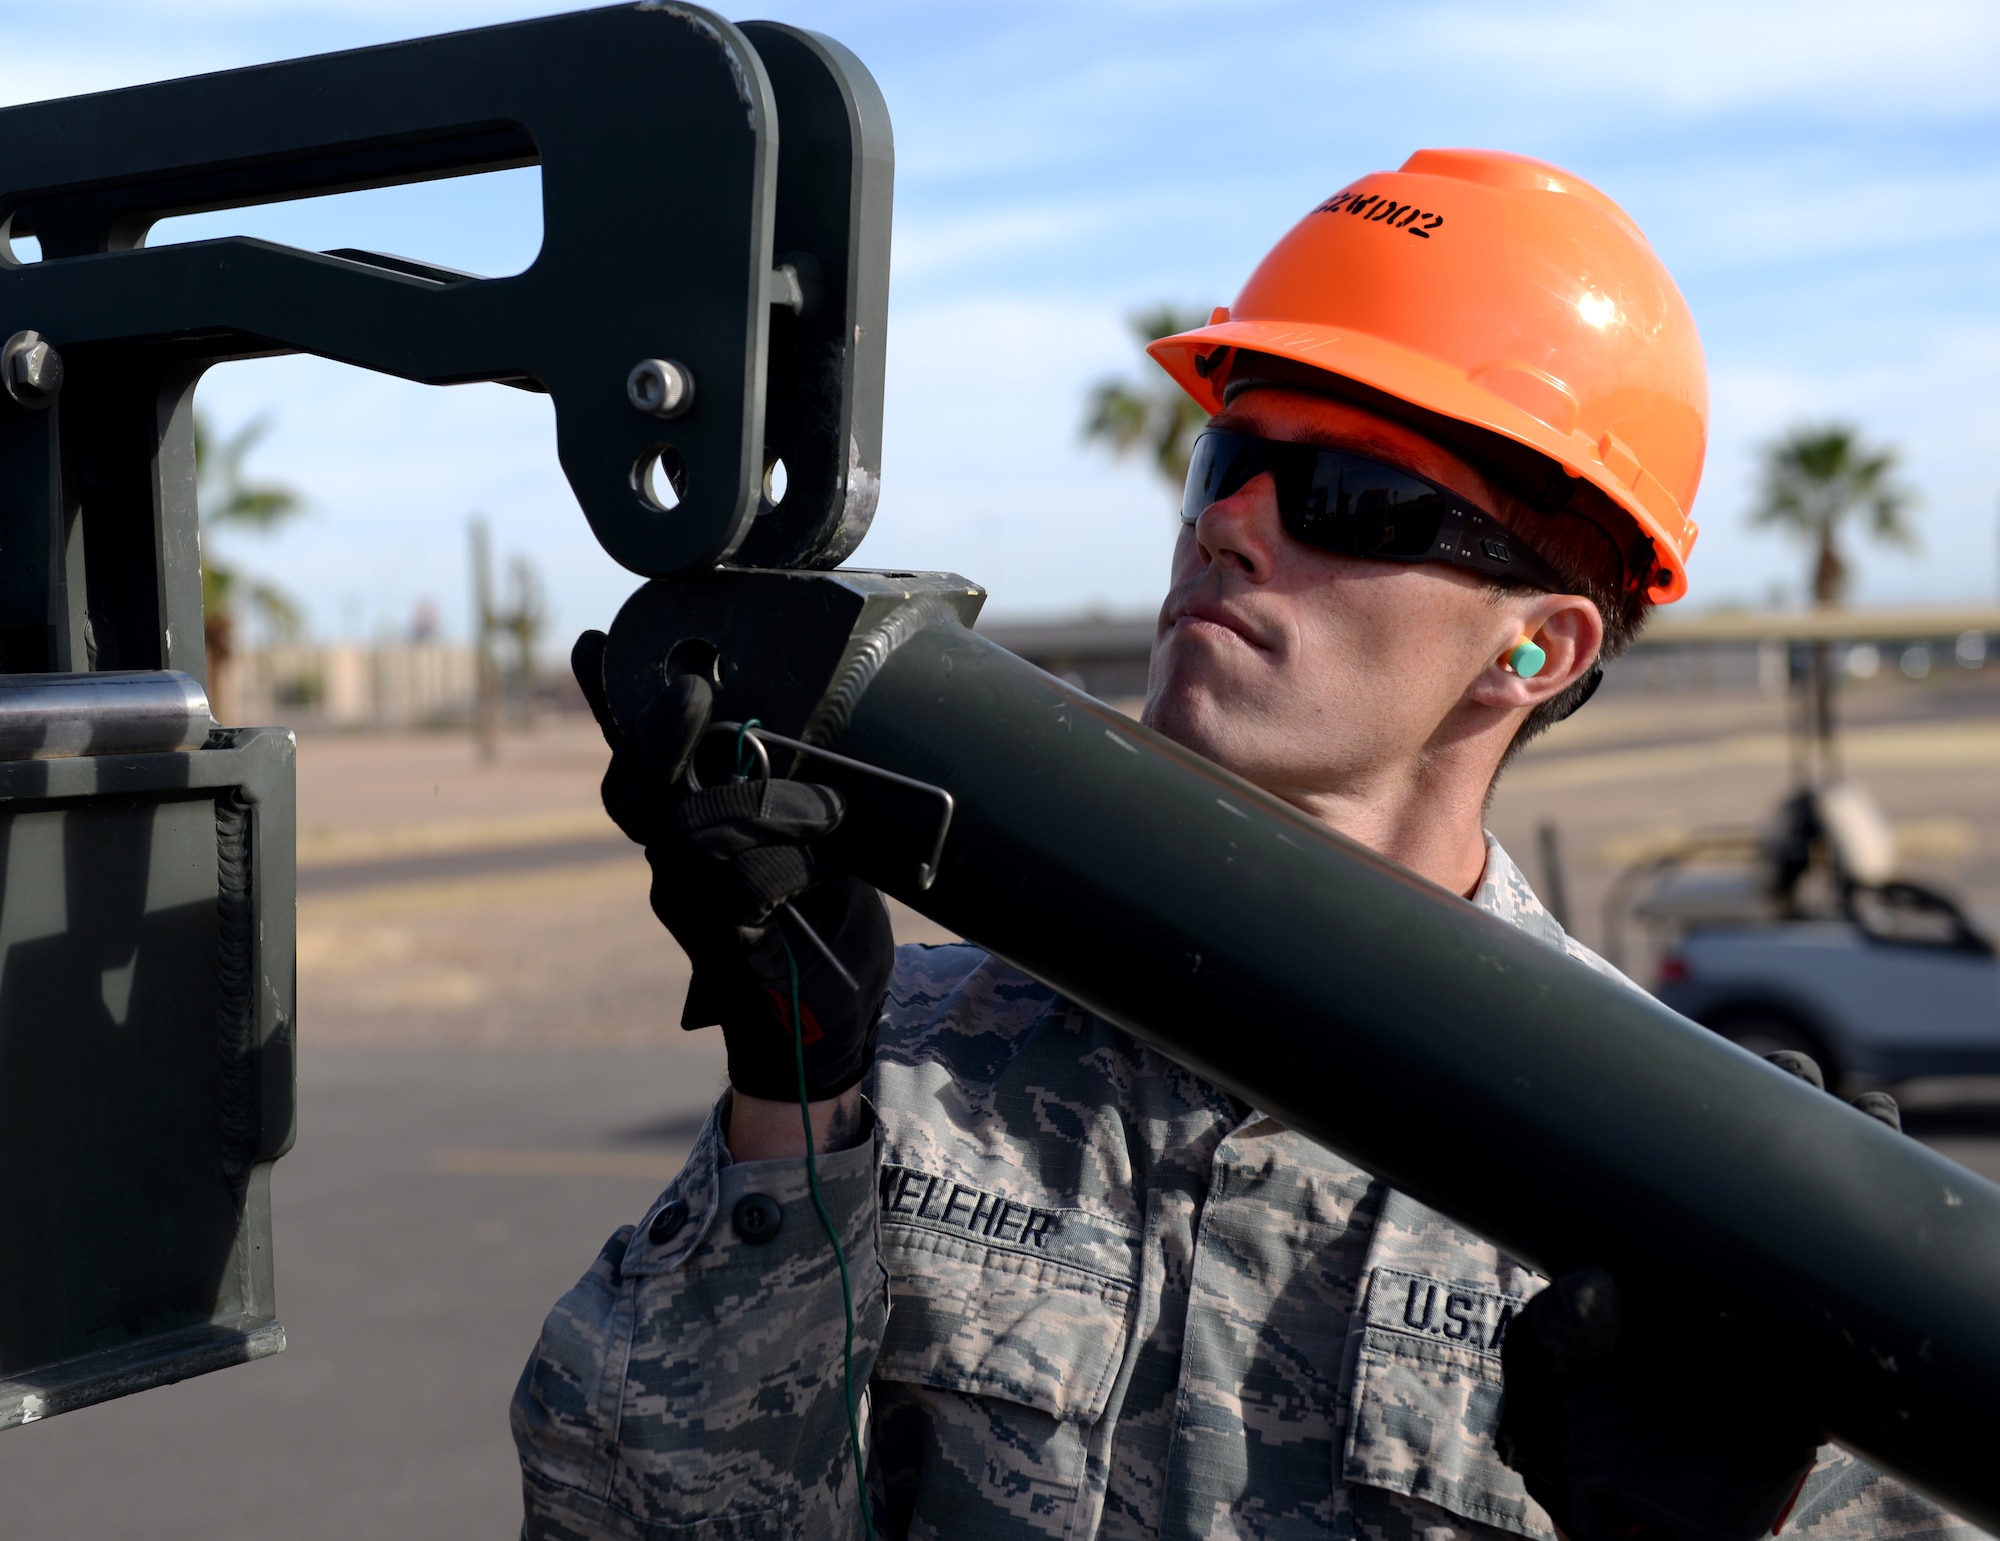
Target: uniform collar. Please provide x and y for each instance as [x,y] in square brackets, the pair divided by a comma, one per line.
[1503,893]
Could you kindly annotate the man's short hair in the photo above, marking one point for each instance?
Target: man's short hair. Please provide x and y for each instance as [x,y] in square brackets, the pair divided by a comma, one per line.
[1593,544]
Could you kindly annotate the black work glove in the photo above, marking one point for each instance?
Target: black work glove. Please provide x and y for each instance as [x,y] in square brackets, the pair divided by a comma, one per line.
[1672,1426]
[1627,1435]
[1877,1105]
[735,869]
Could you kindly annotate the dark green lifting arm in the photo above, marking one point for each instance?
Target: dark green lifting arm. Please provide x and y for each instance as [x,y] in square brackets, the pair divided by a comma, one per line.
[707,299]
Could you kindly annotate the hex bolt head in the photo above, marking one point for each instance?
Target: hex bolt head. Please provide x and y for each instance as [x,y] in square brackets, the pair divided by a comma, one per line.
[660,386]
[31,370]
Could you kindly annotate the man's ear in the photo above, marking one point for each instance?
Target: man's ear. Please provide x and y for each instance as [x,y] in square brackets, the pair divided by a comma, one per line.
[1569,633]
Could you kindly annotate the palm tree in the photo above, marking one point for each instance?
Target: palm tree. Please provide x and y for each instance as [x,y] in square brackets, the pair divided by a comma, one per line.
[226,496]
[1816,478]
[524,618]
[1156,417]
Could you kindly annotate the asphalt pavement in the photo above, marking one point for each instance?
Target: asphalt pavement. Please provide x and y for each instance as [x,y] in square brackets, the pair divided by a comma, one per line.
[476,862]
[436,1205]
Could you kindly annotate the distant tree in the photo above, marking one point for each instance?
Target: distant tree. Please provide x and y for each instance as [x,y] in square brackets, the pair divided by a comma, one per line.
[1817,478]
[226,496]
[525,616]
[1154,417]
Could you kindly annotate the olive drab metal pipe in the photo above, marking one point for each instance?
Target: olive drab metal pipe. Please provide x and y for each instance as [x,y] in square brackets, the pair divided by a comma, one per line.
[1564,1114]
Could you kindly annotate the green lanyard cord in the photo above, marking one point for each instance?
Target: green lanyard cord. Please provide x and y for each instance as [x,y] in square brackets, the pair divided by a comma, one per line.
[742,755]
[826,1222]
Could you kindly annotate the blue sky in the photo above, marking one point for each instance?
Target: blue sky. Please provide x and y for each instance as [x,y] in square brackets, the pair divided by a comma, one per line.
[1823,179]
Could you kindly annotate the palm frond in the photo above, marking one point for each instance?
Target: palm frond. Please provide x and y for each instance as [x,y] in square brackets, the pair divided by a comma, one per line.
[1814,480]
[225,494]
[1154,417]
[1163,320]
[278,610]
[1116,414]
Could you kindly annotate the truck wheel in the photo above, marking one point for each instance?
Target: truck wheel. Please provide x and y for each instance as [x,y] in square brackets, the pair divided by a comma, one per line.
[1765,1033]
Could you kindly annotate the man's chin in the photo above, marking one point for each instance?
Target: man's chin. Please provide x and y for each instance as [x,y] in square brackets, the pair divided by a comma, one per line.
[1190,715]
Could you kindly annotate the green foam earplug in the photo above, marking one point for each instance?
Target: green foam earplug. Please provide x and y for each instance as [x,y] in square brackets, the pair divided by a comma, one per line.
[1526,660]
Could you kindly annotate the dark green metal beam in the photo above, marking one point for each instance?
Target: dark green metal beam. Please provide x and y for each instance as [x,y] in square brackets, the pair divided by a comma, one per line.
[683,245]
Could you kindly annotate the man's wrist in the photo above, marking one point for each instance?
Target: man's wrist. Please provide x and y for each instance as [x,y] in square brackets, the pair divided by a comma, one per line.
[760,1129]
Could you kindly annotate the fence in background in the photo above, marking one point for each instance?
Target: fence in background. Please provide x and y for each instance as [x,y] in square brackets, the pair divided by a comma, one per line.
[1106,655]
[434,684]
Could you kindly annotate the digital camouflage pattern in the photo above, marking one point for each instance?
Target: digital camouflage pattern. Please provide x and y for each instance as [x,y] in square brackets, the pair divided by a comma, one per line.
[700,1375]
[1096,1297]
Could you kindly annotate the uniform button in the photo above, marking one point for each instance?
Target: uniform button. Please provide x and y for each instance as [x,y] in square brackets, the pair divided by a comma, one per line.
[756,1218]
[668,1222]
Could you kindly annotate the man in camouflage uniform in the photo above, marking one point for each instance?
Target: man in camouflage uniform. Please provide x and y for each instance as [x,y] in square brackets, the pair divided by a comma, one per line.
[1094,1295]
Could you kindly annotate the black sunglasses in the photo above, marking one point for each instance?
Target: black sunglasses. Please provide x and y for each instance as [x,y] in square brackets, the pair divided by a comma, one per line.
[1349,504]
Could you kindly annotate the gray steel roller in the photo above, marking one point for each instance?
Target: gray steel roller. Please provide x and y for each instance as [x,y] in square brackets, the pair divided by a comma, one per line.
[134,711]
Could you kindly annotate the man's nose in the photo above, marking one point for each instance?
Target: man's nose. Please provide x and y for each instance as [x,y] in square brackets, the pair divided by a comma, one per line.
[1241,532]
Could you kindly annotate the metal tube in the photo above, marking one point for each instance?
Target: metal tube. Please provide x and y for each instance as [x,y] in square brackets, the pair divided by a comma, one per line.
[1570,1118]
[138,711]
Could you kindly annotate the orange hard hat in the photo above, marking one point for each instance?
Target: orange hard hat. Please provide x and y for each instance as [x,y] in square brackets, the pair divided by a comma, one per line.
[1501,292]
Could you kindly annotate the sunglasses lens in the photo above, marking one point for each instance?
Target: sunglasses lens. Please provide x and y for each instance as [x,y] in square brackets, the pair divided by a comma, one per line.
[1359,507]
[1349,504]
[1220,465]
[1334,501]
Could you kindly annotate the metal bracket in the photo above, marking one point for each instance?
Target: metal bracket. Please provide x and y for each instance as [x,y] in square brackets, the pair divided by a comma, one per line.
[665,195]
[705,302]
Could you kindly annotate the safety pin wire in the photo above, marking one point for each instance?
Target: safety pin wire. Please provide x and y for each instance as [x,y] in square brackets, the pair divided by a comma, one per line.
[825,951]
[927,871]
[832,1236]
[743,774]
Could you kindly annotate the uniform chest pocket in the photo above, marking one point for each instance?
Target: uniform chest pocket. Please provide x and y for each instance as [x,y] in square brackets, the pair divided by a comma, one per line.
[1425,1400]
[998,1297]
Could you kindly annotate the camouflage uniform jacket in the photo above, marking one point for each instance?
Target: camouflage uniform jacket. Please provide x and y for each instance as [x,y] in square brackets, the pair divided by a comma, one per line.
[1095,1297]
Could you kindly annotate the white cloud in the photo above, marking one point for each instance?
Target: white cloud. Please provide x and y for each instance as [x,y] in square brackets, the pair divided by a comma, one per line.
[1796,210]
[1840,58]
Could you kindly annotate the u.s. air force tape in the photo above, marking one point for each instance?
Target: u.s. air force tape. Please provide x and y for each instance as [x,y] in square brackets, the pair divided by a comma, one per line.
[1440,1311]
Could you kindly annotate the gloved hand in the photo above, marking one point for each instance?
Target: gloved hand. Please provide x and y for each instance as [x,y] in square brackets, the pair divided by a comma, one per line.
[1877,1105]
[735,867]
[1647,1436]
[1677,1430]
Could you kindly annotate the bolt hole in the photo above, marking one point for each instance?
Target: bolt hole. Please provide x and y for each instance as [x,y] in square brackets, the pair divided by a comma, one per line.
[661,478]
[694,655]
[776,481]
